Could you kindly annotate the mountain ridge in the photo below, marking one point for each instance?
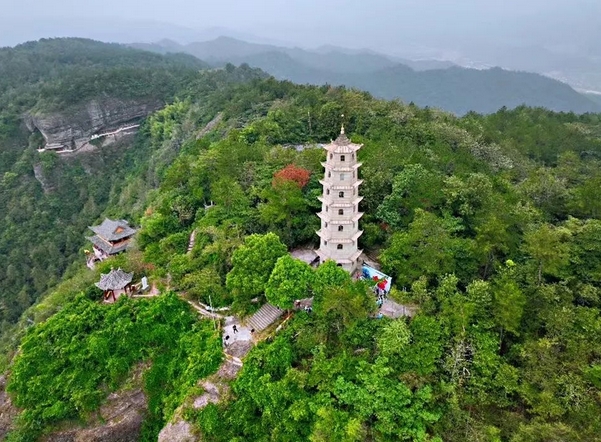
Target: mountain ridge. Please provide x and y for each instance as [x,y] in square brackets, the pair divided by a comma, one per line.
[427,83]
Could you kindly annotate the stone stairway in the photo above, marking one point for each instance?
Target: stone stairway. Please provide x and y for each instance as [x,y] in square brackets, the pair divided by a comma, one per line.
[192,241]
[264,317]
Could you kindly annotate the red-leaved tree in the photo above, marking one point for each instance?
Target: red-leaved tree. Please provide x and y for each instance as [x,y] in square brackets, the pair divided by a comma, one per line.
[292,173]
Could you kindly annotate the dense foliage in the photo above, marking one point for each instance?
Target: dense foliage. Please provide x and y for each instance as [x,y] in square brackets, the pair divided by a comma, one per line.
[68,364]
[53,74]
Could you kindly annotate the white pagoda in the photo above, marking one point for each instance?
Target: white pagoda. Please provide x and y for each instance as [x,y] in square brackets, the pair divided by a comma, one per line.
[339,233]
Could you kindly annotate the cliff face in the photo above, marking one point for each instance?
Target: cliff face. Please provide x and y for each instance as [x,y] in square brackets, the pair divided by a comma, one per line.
[120,420]
[73,130]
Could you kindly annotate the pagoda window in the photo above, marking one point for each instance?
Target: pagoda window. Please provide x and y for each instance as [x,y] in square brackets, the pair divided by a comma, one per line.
[331,156]
[342,158]
[340,194]
[340,211]
[329,174]
[353,174]
[340,228]
[326,208]
[326,225]
[325,243]
[327,191]
[339,246]
[342,177]
[353,156]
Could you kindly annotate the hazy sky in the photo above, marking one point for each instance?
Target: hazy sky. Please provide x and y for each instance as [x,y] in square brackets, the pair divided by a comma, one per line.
[378,24]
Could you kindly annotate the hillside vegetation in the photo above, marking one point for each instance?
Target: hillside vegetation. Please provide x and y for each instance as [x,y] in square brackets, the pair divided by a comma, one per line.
[490,225]
[44,218]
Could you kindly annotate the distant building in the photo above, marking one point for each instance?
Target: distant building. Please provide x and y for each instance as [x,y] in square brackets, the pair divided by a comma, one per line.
[115,283]
[111,237]
[339,233]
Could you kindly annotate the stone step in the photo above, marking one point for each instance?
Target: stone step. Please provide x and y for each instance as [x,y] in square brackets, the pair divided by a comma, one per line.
[264,317]
[192,241]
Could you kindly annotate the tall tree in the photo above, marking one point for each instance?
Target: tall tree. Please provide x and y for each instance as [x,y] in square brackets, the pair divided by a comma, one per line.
[252,264]
[427,248]
[548,247]
[414,188]
[289,280]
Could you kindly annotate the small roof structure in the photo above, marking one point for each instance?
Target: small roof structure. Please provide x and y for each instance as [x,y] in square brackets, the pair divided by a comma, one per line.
[111,230]
[114,280]
[342,144]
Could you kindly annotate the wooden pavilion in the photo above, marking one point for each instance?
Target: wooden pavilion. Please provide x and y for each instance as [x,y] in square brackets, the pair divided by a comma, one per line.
[111,238]
[115,283]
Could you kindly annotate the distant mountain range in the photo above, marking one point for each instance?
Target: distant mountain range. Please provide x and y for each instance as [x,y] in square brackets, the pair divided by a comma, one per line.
[594,97]
[426,83]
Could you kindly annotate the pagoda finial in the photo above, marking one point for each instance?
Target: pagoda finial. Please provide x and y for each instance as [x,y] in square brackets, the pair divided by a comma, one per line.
[342,125]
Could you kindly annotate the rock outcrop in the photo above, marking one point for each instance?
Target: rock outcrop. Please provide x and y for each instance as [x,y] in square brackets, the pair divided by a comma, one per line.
[38,173]
[120,420]
[180,431]
[72,130]
[8,412]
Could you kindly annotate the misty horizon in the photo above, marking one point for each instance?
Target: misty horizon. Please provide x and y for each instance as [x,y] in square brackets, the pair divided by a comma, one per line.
[560,38]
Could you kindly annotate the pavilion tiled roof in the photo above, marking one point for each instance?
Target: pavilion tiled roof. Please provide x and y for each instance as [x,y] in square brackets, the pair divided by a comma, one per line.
[113,230]
[114,280]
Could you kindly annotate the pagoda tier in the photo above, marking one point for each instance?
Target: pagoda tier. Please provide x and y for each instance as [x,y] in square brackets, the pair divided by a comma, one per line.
[339,233]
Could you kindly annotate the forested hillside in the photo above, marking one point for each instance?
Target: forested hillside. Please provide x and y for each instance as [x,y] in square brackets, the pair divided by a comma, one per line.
[47,201]
[490,224]
[54,73]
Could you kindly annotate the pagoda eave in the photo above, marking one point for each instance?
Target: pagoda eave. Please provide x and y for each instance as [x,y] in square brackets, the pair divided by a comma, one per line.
[341,168]
[338,240]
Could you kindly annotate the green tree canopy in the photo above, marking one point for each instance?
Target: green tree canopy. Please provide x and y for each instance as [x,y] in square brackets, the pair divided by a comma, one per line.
[252,264]
[289,280]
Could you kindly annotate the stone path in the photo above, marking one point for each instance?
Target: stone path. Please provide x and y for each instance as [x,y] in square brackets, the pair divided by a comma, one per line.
[308,256]
[203,311]
[395,310]
[236,345]
[263,318]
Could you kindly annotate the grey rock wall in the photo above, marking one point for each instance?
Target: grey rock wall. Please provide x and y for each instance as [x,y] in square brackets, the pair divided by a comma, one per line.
[73,129]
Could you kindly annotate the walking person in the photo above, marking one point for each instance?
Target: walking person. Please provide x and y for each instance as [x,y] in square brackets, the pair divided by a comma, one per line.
[235,328]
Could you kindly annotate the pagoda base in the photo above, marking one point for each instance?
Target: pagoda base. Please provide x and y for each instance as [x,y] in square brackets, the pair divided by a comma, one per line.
[350,264]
